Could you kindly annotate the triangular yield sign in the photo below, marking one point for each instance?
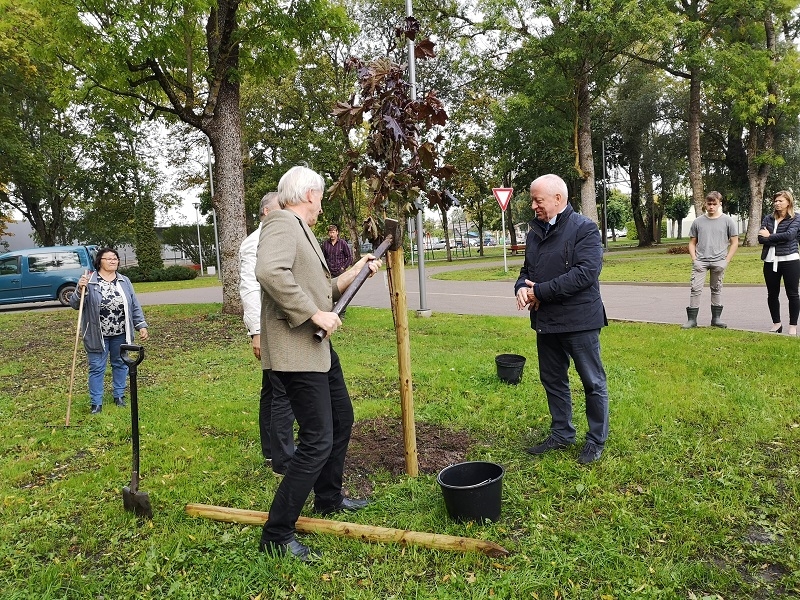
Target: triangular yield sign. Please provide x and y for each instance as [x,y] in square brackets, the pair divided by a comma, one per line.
[503,195]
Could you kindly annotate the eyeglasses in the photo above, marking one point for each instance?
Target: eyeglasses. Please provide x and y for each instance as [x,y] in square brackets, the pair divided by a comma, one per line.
[110,258]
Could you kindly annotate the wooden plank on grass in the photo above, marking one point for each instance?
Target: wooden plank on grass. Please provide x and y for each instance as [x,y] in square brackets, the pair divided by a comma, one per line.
[367,533]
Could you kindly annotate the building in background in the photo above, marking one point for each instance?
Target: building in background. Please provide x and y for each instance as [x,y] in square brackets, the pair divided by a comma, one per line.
[19,236]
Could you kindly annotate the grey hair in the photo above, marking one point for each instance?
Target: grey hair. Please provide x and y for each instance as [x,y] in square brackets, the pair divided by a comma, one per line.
[268,202]
[553,184]
[296,183]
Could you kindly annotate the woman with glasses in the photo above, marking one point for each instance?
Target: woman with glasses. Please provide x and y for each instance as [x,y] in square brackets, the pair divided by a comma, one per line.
[111,313]
[778,235]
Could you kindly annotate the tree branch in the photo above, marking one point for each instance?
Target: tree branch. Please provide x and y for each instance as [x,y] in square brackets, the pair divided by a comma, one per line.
[659,64]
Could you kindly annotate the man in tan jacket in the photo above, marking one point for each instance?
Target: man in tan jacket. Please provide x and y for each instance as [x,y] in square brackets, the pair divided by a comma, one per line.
[297,299]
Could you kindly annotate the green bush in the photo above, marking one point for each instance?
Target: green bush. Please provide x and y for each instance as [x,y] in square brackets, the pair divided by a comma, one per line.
[179,273]
[135,274]
[633,234]
[173,273]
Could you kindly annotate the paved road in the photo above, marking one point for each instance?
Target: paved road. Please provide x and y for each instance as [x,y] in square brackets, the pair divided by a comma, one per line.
[745,305]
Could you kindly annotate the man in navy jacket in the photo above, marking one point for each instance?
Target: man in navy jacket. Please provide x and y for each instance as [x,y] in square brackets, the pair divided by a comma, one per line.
[558,283]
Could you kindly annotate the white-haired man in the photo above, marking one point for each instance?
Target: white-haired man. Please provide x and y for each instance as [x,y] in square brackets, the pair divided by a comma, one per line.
[275,417]
[298,298]
[559,284]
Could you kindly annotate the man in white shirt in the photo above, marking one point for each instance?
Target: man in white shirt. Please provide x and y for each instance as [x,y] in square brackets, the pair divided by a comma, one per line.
[275,417]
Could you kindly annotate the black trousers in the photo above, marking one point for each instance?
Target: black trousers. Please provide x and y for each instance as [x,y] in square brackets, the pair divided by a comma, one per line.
[789,270]
[275,422]
[324,414]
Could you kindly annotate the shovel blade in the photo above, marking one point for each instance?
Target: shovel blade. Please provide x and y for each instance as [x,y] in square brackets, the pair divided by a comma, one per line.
[137,502]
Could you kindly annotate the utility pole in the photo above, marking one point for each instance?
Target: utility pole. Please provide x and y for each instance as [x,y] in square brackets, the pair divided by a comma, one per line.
[412,77]
[213,210]
[199,245]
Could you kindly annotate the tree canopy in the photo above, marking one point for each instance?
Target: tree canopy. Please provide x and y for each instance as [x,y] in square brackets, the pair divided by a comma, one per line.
[680,98]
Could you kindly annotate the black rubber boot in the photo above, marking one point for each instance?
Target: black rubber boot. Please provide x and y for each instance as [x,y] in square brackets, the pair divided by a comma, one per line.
[692,314]
[716,311]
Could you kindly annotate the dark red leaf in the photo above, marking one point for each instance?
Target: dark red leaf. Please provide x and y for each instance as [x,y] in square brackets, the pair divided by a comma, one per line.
[410,28]
[427,155]
[394,128]
[424,49]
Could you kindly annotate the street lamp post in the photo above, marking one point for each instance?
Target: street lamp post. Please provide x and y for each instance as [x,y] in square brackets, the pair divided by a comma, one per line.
[213,210]
[199,245]
[412,76]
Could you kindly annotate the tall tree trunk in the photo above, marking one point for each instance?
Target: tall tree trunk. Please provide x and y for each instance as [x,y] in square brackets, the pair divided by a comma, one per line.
[643,229]
[585,156]
[649,190]
[736,163]
[446,235]
[649,203]
[758,182]
[757,174]
[347,203]
[695,164]
[225,134]
[757,171]
[48,232]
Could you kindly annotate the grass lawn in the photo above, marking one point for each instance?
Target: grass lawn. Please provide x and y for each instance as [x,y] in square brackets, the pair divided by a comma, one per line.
[640,265]
[189,284]
[696,496]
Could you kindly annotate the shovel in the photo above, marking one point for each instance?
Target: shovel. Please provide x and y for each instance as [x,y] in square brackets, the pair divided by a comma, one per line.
[75,351]
[392,241]
[135,501]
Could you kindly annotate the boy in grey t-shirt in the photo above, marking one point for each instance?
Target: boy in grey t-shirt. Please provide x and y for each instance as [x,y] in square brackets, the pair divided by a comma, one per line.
[713,243]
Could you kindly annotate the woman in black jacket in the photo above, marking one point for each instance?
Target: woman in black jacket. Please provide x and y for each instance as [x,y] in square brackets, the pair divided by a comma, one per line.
[778,234]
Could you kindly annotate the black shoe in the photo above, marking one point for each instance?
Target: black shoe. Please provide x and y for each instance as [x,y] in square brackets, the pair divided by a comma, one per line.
[294,548]
[590,453]
[96,409]
[120,402]
[347,504]
[549,444]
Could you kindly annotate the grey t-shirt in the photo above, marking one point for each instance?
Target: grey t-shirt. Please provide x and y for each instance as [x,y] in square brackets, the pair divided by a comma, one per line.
[713,236]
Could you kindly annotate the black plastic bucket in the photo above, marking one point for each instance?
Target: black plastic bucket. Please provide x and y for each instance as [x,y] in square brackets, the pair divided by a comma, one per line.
[509,367]
[472,490]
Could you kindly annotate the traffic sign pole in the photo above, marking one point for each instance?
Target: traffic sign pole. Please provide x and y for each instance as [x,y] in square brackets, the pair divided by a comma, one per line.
[503,196]
[505,240]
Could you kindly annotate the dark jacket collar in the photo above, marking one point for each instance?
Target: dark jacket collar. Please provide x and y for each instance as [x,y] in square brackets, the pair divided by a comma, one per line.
[564,214]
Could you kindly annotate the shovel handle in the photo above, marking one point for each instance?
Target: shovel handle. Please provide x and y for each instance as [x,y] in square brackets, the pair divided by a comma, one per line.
[124,351]
[356,284]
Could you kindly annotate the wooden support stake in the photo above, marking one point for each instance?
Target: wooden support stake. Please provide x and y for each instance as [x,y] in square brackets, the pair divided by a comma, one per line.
[400,308]
[368,533]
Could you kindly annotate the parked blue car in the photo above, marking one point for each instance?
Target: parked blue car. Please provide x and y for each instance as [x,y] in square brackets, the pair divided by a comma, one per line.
[43,274]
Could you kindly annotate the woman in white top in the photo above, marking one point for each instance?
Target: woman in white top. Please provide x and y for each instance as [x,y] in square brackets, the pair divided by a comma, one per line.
[778,234]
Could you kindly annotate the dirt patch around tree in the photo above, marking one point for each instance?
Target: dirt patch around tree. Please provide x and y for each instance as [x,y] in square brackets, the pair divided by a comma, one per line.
[377,445]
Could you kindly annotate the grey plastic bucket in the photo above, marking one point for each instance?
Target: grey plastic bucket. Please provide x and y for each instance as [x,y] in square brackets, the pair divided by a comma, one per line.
[472,491]
[509,367]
